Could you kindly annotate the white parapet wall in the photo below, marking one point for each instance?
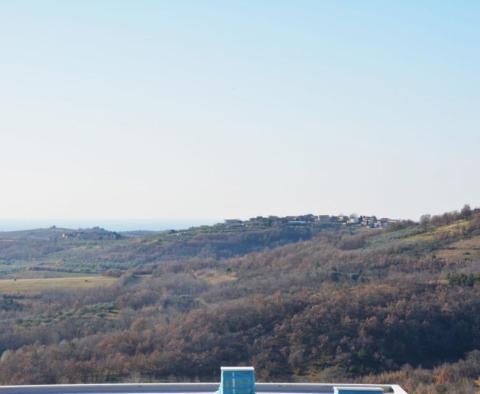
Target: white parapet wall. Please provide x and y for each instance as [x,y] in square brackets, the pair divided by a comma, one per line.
[357,390]
[311,388]
[186,388]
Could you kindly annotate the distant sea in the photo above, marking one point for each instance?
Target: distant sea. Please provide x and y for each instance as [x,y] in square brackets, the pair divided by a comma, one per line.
[108,224]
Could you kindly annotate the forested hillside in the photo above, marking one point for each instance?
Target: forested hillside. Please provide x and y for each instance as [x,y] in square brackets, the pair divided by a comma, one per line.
[304,303]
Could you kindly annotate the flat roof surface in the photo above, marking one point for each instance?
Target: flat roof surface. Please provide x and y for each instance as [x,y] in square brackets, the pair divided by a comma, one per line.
[116,391]
[186,388]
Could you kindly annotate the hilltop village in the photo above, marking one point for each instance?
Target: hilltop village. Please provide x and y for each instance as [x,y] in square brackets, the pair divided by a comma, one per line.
[309,220]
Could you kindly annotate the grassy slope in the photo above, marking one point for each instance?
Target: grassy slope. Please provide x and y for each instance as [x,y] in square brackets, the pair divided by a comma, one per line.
[37,285]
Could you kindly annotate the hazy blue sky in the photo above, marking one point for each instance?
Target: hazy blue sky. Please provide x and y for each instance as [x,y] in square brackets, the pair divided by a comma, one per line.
[213,109]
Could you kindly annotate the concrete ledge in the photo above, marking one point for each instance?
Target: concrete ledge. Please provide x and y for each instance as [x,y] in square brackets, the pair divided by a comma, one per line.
[113,388]
[290,388]
[318,387]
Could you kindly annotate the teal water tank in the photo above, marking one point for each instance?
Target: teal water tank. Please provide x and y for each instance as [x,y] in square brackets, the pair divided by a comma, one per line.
[237,380]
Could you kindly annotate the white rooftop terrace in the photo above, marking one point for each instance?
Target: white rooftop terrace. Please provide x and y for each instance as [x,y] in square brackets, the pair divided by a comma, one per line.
[190,388]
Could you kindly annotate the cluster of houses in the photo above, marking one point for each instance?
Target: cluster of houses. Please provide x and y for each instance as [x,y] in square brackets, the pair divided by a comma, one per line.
[303,220]
[92,234]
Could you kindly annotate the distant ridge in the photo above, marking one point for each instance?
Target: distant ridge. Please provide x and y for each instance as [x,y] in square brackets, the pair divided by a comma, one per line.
[109,224]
